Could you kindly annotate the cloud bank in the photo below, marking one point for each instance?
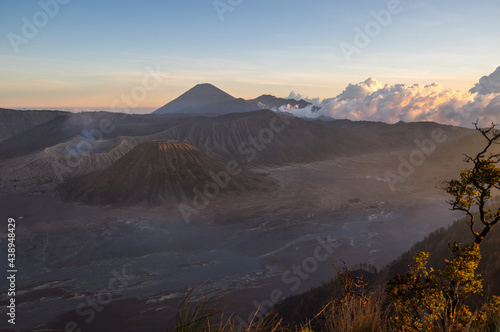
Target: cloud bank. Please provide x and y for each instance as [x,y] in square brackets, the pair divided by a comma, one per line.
[372,101]
[488,84]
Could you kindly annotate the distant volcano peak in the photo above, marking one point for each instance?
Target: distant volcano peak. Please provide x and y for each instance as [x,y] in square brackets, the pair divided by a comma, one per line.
[206,90]
[206,98]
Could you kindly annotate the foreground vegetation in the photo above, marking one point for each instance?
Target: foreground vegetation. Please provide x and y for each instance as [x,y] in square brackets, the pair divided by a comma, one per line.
[421,299]
[415,303]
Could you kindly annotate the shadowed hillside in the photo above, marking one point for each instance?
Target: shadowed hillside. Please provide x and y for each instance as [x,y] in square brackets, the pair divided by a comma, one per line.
[299,308]
[94,127]
[436,244]
[77,145]
[13,122]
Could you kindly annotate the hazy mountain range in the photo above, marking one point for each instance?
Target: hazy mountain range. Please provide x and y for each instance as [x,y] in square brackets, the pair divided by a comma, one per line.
[368,100]
[76,144]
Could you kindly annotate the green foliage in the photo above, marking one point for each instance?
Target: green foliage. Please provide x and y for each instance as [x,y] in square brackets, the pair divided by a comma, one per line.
[459,280]
[417,299]
[488,318]
[436,300]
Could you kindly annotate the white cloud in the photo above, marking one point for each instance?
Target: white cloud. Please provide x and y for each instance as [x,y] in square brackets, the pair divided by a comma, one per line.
[296,96]
[360,90]
[488,84]
[372,101]
[306,112]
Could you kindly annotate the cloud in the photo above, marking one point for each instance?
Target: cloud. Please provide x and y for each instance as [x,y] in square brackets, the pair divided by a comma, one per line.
[296,96]
[360,90]
[488,84]
[371,100]
[306,112]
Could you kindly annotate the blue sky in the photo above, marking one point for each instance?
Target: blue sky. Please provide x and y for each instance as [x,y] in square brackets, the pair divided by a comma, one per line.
[91,52]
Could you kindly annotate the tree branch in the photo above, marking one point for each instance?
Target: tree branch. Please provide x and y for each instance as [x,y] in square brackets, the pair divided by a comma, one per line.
[475,185]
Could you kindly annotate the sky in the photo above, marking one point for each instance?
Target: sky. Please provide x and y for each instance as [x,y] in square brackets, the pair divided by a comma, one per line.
[65,54]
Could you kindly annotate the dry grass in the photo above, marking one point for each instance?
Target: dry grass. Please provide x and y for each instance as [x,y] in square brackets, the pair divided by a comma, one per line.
[350,313]
[200,315]
[354,311]
[355,314]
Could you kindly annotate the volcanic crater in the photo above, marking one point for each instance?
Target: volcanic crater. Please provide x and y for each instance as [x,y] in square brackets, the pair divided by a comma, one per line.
[159,172]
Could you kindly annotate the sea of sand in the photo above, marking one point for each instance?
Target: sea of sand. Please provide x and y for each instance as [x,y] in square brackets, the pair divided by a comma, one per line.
[248,250]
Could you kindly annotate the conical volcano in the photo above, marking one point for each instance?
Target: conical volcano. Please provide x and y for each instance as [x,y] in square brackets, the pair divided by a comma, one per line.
[156,172]
[207,98]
